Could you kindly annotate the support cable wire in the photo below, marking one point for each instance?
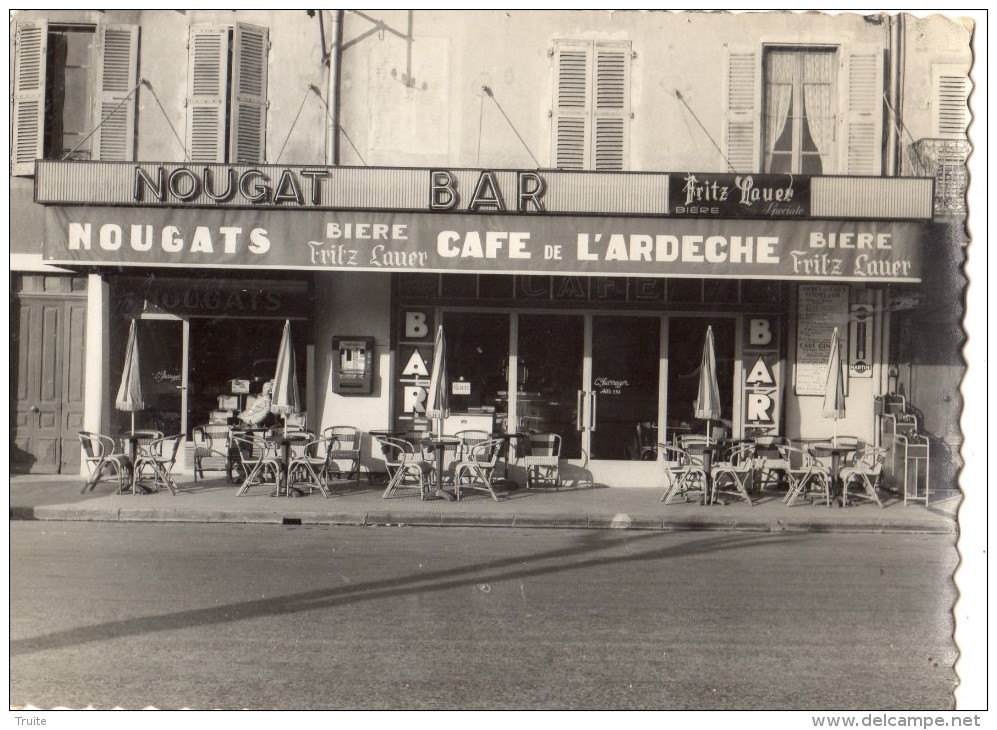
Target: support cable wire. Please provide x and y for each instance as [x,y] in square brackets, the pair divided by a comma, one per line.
[328,112]
[898,123]
[678,95]
[491,96]
[296,116]
[101,122]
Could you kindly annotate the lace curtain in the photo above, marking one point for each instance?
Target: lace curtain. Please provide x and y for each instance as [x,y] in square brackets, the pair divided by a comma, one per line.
[817,71]
[781,70]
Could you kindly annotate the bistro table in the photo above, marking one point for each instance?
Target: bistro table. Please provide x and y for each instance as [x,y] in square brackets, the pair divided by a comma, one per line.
[707,451]
[508,437]
[130,442]
[835,451]
[284,440]
[439,444]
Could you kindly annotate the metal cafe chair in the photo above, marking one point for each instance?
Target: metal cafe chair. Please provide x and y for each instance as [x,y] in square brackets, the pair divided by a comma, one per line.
[866,470]
[159,457]
[345,446]
[738,467]
[474,470]
[542,460]
[99,457]
[469,438]
[682,475]
[770,466]
[259,460]
[647,441]
[407,469]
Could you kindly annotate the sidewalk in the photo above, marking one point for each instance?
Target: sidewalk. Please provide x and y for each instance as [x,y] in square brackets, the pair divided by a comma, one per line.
[40,497]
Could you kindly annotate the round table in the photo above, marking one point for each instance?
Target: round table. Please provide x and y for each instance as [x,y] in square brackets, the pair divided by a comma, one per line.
[835,452]
[439,444]
[284,440]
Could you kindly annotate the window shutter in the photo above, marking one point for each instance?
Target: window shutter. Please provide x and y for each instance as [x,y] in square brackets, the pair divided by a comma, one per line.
[572,69]
[951,104]
[249,94]
[864,113]
[117,75]
[742,133]
[207,71]
[28,116]
[612,106]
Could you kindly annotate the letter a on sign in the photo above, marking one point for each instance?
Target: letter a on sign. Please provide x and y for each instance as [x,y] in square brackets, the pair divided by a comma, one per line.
[760,374]
[416,366]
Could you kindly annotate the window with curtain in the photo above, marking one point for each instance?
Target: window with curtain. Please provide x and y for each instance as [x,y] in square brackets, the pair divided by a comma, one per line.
[800,110]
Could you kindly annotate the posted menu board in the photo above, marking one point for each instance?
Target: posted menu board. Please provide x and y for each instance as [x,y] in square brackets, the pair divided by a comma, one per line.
[820,309]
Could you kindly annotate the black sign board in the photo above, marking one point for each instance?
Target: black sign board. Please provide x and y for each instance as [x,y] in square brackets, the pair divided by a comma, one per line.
[731,195]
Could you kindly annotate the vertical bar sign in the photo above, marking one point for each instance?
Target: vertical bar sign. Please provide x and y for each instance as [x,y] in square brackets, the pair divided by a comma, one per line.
[860,341]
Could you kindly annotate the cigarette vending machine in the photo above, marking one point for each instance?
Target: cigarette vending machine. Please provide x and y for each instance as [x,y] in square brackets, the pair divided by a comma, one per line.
[352,365]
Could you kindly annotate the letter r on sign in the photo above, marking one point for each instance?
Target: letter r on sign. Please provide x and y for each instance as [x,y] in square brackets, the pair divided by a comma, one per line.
[414,399]
[758,407]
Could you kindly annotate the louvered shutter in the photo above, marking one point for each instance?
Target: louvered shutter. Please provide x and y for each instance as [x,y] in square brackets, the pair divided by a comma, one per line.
[207,71]
[28,116]
[951,104]
[742,132]
[117,75]
[611,110]
[864,113]
[571,114]
[249,94]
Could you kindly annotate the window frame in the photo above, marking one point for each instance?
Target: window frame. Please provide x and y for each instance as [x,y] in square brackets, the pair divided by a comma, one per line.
[113,89]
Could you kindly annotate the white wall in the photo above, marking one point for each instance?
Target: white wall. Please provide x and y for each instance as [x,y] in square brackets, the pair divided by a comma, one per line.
[353,303]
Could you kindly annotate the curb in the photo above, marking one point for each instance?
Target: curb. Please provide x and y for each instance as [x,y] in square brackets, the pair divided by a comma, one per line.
[383,518]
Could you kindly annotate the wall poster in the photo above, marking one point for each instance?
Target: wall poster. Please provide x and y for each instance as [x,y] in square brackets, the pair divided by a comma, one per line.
[821,308]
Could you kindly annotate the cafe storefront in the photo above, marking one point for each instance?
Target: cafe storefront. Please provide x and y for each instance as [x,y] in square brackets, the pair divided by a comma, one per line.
[573,303]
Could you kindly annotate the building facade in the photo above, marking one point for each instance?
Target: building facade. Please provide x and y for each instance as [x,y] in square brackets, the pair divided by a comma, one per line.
[574,196]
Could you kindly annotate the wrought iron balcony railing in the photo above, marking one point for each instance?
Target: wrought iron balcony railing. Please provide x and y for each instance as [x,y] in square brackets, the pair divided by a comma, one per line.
[944,160]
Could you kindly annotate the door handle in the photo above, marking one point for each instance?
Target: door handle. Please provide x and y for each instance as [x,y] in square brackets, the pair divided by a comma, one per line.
[595,399]
[34,409]
[578,412]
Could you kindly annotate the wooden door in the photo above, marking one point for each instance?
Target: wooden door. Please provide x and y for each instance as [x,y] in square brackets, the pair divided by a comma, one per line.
[48,412]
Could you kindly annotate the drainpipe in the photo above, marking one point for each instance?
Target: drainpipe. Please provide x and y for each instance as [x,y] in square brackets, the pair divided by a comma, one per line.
[333,60]
[894,141]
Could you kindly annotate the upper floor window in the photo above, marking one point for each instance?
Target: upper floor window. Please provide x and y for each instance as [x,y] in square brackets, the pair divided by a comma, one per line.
[227,93]
[591,114]
[950,86]
[74,93]
[800,111]
[815,110]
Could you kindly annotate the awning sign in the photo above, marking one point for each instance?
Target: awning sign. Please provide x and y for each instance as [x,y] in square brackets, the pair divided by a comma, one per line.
[613,246]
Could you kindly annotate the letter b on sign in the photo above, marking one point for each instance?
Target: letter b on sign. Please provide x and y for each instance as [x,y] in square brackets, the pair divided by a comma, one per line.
[759,332]
[415,325]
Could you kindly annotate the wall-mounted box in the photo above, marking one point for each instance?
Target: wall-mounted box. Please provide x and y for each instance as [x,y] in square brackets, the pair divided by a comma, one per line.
[352,365]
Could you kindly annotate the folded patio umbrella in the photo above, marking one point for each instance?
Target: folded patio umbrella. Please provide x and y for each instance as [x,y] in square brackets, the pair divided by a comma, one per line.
[707,404]
[834,385]
[285,398]
[437,405]
[129,398]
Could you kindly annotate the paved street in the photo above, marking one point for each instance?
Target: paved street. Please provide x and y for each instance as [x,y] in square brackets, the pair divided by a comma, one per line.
[269,616]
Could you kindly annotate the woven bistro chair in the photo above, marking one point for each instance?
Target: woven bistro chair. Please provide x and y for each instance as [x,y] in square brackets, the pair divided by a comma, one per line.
[865,470]
[542,460]
[807,476]
[157,459]
[99,457]
[309,463]
[733,475]
[259,461]
[474,470]
[345,446]
[682,474]
[211,449]
[407,469]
